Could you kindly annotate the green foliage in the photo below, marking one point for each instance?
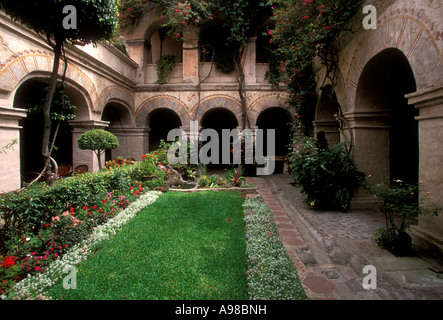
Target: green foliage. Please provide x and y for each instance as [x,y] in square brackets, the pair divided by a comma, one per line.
[178,15]
[96,18]
[400,204]
[98,140]
[130,11]
[42,222]
[165,65]
[303,32]
[328,176]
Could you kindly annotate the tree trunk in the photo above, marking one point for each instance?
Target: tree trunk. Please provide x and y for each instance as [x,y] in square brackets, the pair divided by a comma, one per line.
[47,114]
[241,86]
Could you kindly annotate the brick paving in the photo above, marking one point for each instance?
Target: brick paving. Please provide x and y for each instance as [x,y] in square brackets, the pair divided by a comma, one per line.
[329,249]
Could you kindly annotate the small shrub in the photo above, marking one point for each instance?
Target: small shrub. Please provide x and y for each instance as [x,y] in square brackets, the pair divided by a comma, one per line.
[401,205]
[98,141]
[328,176]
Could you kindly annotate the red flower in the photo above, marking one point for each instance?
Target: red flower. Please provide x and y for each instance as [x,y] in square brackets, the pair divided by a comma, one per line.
[85,208]
[104,201]
[144,156]
[8,261]
[229,219]
[71,209]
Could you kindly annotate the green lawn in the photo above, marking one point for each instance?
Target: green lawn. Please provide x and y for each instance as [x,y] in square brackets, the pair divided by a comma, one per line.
[184,246]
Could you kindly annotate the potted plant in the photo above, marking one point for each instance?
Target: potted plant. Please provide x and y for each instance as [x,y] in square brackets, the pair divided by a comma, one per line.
[400,204]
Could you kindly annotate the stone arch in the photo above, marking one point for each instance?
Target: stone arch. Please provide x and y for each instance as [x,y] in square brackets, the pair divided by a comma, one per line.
[28,63]
[30,92]
[407,33]
[386,131]
[160,122]
[116,95]
[218,101]
[263,103]
[156,102]
[78,95]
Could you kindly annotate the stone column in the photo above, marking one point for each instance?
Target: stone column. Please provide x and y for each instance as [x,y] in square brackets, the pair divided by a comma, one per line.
[87,157]
[331,130]
[10,160]
[136,51]
[190,56]
[370,131]
[428,234]
[134,142]
[249,67]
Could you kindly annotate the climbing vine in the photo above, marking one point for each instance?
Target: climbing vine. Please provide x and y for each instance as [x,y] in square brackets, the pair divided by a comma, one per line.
[304,31]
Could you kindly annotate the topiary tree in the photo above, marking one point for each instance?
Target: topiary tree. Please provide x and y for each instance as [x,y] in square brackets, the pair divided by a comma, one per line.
[98,141]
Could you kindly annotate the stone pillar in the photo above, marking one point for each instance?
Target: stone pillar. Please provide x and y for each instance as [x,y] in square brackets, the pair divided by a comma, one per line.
[370,131]
[249,67]
[136,51]
[87,157]
[331,130]
[134,142]
[428,234]
[10,159]
[190,56]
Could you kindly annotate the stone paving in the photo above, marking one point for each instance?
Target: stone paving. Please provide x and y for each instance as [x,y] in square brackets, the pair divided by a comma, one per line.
[331,248]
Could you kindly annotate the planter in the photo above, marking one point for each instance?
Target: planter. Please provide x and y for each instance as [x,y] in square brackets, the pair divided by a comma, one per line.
[403,247]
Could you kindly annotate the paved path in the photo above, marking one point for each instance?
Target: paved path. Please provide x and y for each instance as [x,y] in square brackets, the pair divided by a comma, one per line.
[330,250]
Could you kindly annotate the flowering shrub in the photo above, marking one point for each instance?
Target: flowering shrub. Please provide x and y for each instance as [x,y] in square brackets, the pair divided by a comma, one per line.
[304,31]
[400,204]
[270,272]
[35,285]
[118,162]
[129,11]
[43,223]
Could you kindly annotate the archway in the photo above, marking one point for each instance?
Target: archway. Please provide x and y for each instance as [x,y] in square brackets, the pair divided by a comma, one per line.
[31,93]
[278,119]
[218,119]
[161,121]
[384,82]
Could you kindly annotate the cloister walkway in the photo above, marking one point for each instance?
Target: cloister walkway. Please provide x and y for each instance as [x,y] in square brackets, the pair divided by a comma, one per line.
[331,249]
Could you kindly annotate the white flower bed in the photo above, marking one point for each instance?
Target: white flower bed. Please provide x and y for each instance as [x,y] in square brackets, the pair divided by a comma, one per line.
[270,272]
[35,285]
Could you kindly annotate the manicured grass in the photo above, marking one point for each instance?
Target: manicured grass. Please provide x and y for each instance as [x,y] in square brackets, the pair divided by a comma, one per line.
[184,246]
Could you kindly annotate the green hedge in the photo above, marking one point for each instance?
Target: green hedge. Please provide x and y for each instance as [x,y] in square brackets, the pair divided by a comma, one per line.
[27,211]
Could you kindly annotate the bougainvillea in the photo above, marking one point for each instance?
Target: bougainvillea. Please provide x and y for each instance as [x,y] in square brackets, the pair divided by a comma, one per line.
[306,30]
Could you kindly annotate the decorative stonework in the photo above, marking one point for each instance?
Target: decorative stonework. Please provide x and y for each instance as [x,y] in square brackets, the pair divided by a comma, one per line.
[161,101]
[410,30]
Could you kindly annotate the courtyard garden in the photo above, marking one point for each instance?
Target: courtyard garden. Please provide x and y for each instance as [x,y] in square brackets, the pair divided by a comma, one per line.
[125,236]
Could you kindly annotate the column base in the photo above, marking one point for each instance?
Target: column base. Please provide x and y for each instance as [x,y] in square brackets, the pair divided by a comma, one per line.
[426,243]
